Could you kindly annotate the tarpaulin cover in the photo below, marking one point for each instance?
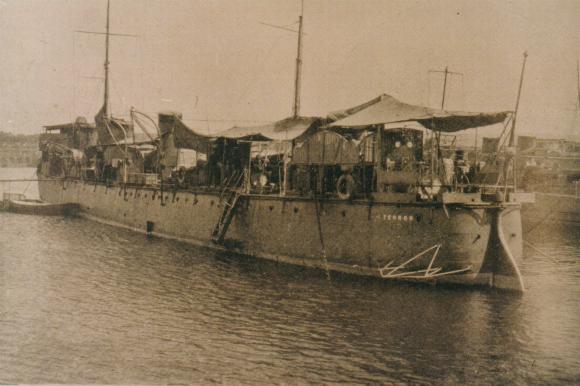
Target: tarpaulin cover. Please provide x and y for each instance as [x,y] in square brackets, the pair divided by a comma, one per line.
[111,130]
[114,154]
[269,148]
[285,130]
[326,148]
[386,109]
[173,129]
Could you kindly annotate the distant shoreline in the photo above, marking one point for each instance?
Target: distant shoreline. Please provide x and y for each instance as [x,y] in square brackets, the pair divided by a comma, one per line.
[18,150]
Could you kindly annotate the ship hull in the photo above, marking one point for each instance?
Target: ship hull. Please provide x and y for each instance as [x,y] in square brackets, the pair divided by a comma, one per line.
[464,244]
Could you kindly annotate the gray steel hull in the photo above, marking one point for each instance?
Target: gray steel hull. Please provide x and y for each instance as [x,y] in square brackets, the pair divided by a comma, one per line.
[482,242]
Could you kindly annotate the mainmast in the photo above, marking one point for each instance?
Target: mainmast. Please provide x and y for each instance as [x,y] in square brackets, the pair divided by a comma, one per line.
[297,80]
[107,34]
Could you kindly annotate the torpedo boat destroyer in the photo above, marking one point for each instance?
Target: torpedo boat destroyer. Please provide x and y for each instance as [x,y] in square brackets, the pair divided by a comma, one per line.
[364,191]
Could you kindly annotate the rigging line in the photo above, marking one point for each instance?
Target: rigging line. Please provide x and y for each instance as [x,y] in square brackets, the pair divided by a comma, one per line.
[29,182]
[262,65]
[105,33]
[211,120]
[135,111]
[544,219]
[116,92]
[280,27]
[105,120]
[551,213]
[369,30]
[142,127]
[224,120]
[500,144]
[540,251]
[293,23]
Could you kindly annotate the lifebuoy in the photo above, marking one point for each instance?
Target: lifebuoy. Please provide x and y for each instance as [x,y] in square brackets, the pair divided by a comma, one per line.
[345,187]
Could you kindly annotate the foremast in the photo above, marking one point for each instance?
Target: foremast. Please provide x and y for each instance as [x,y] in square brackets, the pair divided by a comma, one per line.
[106,112]
[297,80]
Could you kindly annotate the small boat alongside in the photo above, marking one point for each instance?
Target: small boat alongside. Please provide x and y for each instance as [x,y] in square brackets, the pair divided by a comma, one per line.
[18,203]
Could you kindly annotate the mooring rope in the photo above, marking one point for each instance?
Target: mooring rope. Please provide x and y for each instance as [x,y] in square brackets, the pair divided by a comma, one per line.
[29,182]
[543,220]
[539,251]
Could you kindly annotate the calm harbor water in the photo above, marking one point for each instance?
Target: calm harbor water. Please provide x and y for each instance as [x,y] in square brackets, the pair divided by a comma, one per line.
[82,302]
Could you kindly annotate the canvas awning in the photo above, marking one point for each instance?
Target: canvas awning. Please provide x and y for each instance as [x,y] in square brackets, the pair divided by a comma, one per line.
[385,109]
[285,130]
[173,129]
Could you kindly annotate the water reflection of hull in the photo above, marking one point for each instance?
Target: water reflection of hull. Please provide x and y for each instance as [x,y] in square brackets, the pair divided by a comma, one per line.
[474,244]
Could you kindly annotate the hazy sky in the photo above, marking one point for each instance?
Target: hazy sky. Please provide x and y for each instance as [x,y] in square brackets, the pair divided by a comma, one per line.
[215,61]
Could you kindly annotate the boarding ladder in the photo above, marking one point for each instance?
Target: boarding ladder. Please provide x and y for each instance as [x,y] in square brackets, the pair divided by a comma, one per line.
[229,198]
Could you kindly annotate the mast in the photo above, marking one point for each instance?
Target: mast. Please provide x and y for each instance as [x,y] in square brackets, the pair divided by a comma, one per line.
[436,135]
[513,131]
[446,72]
[297,80]
[106,97]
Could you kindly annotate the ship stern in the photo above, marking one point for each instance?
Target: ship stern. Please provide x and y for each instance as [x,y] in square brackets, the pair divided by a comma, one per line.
[505,249]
